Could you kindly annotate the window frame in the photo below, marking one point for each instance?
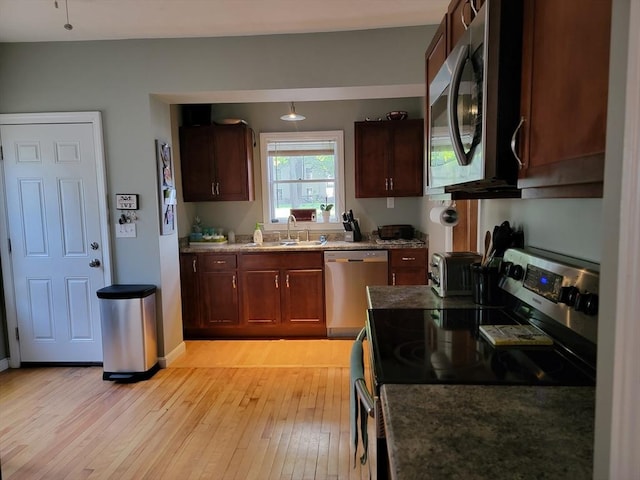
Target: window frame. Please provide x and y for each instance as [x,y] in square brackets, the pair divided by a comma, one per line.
[324,135]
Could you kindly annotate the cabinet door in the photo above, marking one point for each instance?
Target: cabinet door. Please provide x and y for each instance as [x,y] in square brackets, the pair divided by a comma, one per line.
[371,159]
[261,297]
[189,290]
[565,71]
[408,276]
[233,158]
[407,158]
[302,297]
[196,163]
[219,298]
[408,266]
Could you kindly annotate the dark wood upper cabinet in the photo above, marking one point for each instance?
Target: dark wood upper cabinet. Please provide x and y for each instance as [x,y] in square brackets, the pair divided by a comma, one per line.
[217,162]
[565,72]
[389,158]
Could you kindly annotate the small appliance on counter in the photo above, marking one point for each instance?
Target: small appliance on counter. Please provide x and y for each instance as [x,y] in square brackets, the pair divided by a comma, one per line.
[395,232]
[450,273]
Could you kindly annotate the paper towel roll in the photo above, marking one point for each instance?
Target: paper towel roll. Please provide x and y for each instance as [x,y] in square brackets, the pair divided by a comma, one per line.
[447,216]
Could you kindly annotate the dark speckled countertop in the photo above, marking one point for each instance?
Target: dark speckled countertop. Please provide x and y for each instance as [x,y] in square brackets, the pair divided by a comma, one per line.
[418,296]
[478,432]
[474,432]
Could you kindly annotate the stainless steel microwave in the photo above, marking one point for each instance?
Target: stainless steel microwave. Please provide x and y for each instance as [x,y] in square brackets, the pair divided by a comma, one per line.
[474,104]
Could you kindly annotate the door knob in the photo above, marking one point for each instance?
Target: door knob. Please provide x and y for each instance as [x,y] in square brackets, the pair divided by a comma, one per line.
[94,245]
[95,263]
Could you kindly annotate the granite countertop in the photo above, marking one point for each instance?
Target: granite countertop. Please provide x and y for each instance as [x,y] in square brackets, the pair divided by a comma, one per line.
[419,296]
[271,246]
[489,432]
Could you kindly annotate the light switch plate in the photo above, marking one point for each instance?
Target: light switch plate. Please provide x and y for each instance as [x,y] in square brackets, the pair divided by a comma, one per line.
[125,230]
[391,202]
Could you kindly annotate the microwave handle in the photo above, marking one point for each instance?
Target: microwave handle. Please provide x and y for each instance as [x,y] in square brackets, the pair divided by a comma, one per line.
[452,110]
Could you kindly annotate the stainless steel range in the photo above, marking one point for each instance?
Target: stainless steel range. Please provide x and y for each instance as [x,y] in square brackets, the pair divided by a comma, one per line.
[556,294]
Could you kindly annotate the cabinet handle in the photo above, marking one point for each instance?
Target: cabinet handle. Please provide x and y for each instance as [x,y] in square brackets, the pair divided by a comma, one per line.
[287,280]
[464,24]
[217,188]
[233,282]
[277,284]
[473,7]
[386,184]
[195,270]
[213,189]
[513,143]
[220,262]
[391,183]
[393,279]
[408,259]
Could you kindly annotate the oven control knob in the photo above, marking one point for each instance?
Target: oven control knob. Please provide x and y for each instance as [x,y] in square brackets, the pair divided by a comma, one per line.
[516,272]
[568,295]
[505,267]
[587,303]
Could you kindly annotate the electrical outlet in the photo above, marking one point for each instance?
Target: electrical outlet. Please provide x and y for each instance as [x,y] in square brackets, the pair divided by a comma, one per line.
[125,230]
[391,202]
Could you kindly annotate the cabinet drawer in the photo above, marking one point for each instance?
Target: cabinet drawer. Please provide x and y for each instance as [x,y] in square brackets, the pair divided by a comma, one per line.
[215,262]
[409,257]
[260,261]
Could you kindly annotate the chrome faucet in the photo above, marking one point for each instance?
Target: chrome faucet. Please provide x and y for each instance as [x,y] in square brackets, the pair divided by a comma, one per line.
[291,217]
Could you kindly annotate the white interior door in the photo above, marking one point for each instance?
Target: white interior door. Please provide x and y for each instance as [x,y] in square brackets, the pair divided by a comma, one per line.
[57,239]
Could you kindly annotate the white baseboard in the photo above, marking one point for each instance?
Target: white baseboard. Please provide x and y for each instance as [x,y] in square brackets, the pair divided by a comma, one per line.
[4,364]
[172,355]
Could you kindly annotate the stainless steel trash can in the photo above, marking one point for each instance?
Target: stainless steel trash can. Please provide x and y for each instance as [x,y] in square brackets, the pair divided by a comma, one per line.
[129,341]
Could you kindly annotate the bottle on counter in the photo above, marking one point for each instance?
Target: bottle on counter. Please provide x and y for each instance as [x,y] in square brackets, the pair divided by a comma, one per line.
[257,235]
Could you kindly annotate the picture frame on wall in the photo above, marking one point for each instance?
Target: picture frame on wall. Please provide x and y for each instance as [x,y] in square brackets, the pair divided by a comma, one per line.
[167,189]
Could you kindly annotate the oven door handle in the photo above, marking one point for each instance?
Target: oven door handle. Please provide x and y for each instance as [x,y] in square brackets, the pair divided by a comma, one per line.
[360,385]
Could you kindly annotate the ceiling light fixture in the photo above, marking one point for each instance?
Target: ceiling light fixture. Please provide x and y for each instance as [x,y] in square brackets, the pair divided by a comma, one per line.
[67,25]
[292,116]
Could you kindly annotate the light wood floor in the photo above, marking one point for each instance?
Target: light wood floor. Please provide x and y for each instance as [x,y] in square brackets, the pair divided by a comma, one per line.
[225,410]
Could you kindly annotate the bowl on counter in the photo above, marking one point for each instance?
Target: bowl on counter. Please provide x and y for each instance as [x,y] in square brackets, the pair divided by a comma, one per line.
[397,115]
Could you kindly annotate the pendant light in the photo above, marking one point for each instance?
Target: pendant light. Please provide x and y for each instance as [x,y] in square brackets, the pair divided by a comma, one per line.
[67,25]
[292,116]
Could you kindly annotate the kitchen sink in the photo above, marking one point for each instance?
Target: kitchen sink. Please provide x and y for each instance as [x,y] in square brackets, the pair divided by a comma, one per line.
[288,243]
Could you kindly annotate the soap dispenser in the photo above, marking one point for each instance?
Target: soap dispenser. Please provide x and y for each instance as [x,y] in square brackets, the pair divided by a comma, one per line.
[257,235]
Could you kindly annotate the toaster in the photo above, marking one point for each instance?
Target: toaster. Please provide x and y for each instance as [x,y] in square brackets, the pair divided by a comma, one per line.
[450,272]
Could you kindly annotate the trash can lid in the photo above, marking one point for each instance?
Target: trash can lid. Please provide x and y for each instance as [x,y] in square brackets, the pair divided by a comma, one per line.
[126,291]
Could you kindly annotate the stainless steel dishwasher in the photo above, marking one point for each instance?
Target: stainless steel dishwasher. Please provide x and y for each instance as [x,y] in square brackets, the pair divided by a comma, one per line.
[346,275]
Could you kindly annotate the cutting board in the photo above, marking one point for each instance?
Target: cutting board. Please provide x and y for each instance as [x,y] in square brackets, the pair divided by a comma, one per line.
[515,335]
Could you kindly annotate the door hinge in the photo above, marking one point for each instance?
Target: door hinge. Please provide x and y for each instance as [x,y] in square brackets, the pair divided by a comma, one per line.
[1,153]
[17,334]
[9,242]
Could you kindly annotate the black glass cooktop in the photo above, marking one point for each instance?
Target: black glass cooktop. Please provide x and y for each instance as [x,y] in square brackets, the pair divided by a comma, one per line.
[445,346]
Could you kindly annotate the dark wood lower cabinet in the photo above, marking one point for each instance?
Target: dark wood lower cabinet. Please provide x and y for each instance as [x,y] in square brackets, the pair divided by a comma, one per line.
[303,298]
[253,295]
[261,297]
[408,266]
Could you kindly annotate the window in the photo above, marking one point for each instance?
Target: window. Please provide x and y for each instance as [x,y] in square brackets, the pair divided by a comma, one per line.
[302,170]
